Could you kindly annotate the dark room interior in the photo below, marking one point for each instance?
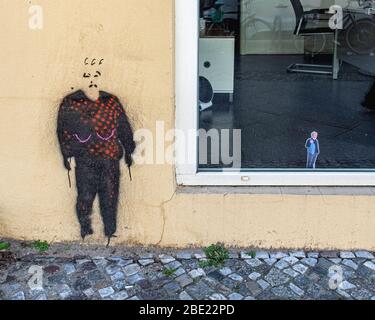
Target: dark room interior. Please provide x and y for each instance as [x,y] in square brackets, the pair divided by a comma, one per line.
[276,94]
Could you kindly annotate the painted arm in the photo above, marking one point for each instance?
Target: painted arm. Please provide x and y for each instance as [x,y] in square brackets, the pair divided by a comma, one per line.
[125,134]
[63,135]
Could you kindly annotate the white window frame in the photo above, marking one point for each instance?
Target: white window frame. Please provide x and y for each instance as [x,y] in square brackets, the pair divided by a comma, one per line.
[186,77]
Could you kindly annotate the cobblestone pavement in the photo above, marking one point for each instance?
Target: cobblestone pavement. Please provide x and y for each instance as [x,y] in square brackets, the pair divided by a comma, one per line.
[250,276]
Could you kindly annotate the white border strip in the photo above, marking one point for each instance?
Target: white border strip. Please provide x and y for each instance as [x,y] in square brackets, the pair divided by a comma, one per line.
[277,179]
[186,40]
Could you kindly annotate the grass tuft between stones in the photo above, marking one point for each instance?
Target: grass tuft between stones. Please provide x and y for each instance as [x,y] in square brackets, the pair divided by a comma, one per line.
[4,245]
[41,246]
[252,254]
[216,255]
[169,272]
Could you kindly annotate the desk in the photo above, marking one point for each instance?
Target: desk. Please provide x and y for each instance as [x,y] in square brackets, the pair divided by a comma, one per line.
[216,60]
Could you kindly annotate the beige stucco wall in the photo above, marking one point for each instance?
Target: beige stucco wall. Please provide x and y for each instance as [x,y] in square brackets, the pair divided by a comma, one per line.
[135,37]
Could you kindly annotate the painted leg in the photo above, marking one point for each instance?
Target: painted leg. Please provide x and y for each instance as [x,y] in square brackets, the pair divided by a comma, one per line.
[87,180]
[108,196]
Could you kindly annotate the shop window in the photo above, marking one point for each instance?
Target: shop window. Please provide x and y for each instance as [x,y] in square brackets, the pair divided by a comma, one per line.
[276,95]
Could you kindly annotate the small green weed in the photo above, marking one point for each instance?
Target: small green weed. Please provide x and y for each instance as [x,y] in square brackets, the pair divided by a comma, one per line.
[204,264]
[169,272]
[252,254]
[41,246]
[216,255]
[4,245]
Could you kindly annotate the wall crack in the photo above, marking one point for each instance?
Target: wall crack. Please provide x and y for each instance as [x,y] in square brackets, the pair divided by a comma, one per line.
[162,208]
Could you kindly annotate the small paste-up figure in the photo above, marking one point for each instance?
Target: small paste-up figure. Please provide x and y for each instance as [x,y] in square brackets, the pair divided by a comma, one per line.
[313,150]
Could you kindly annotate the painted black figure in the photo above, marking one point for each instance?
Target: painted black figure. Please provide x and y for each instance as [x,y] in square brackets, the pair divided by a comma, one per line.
[94,129]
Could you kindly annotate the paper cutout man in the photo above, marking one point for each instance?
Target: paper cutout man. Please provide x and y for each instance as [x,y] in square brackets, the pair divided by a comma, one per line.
[313,150]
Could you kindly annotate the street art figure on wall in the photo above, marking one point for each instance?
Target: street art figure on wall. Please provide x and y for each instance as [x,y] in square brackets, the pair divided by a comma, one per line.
[93,128]
[313,150]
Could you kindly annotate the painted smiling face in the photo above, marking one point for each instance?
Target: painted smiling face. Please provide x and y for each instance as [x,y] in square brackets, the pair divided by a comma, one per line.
[93,72]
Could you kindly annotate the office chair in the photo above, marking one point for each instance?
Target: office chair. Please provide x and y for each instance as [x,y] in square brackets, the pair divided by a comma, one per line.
[312,23]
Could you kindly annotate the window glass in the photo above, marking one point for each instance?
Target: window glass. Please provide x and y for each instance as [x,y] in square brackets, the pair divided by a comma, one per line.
[287,84]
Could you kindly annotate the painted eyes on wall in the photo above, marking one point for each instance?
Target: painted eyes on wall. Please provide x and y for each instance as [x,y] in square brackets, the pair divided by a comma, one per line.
[93,62]
[96,75]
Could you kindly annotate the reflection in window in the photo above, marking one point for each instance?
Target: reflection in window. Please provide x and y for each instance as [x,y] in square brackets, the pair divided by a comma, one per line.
[274,70]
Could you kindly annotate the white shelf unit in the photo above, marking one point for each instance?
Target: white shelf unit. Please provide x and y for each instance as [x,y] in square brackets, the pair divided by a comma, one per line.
[216,63]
